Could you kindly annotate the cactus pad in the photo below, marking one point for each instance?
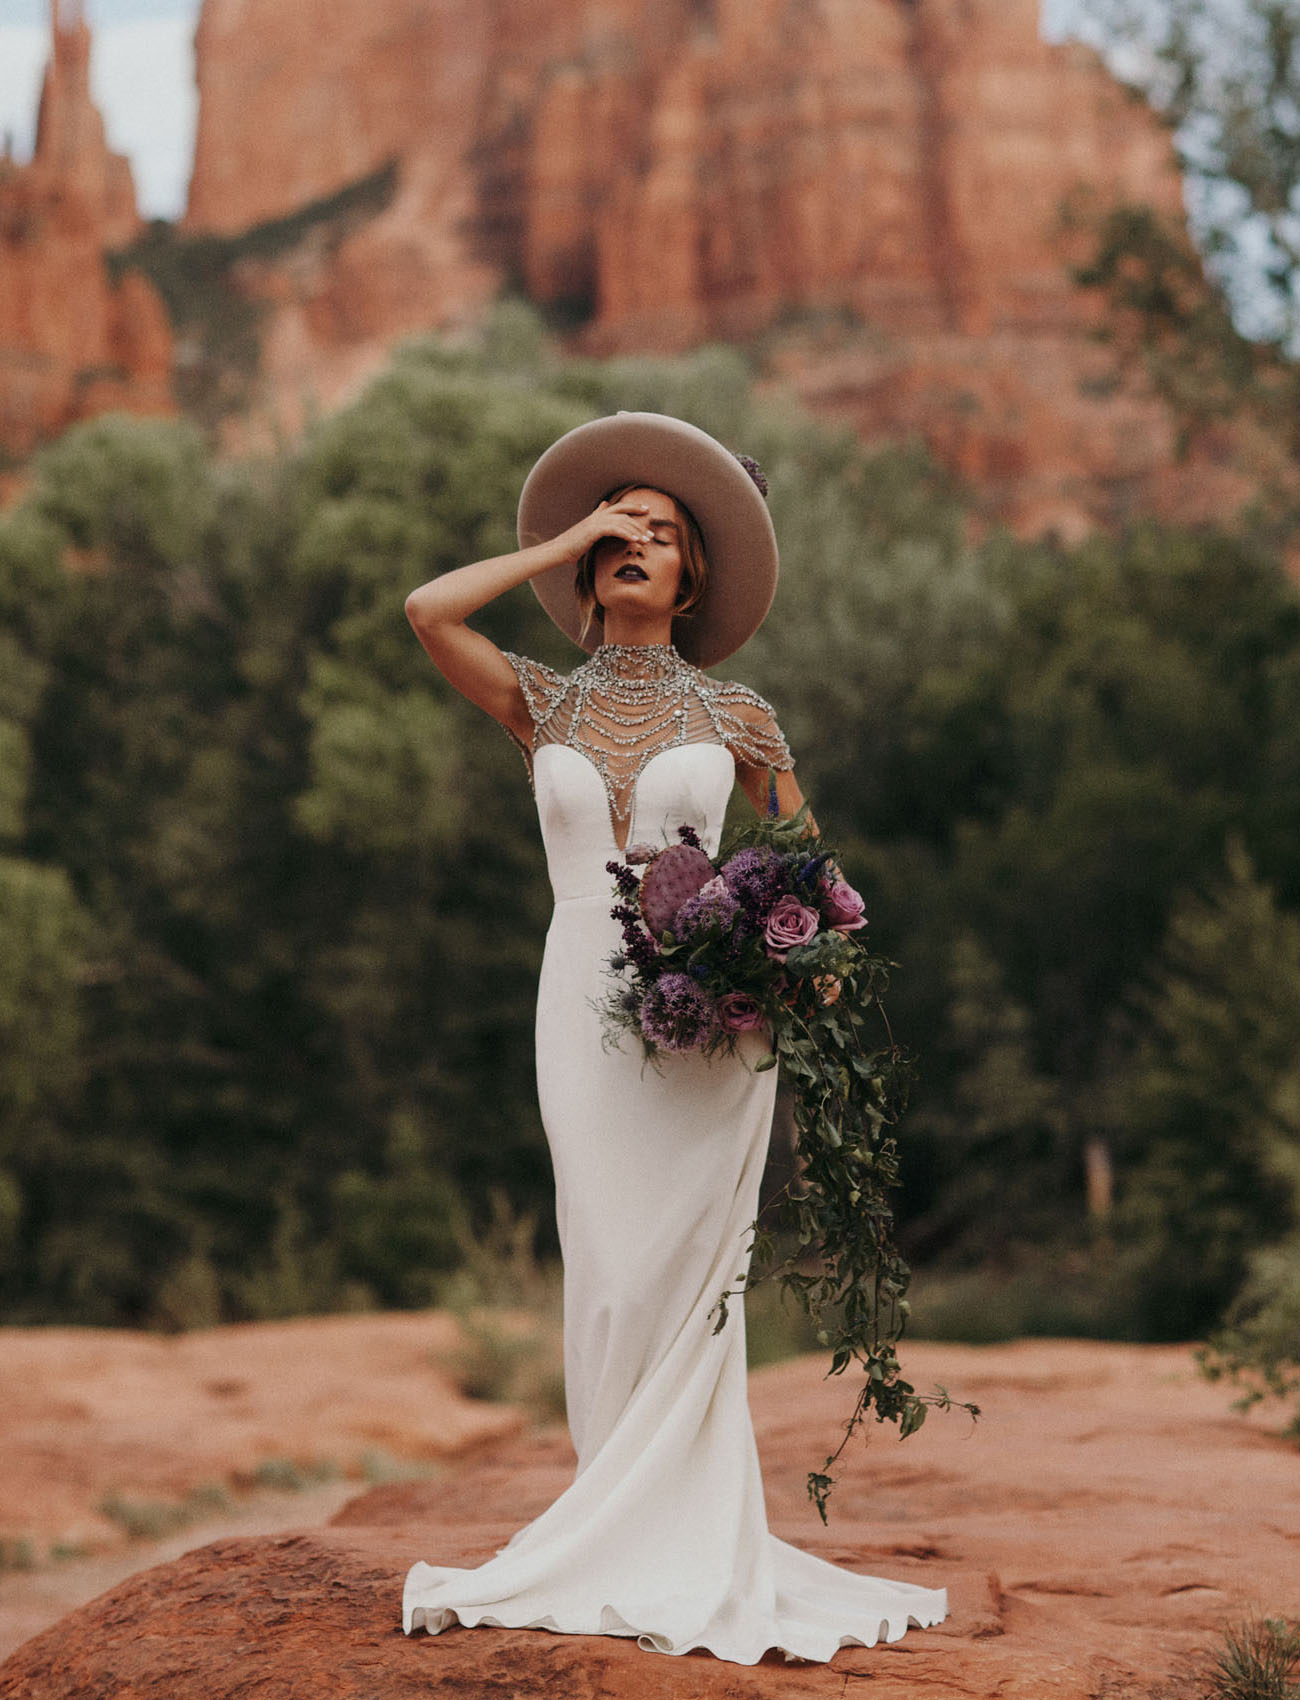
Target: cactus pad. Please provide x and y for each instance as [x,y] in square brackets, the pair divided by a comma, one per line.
[674,875]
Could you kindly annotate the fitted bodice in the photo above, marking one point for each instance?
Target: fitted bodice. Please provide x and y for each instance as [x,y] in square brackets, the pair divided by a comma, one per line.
[686,785]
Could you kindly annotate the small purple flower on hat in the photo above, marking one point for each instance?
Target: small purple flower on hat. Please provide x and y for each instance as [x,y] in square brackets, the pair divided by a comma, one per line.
[790,923]
[843,906]
[755,471]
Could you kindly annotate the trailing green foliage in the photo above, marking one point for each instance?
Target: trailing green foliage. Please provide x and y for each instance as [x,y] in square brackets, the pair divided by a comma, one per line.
[848,1088]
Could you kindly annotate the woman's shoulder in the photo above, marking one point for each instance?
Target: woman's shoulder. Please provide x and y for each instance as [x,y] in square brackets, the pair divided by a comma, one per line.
[746,721]
[543,686]
[729,694]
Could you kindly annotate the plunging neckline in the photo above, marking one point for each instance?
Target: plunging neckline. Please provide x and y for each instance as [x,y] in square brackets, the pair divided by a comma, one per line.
[657,755]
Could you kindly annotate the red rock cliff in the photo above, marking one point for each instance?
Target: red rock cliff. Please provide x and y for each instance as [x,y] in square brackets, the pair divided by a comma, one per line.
[668,171]
[72,341]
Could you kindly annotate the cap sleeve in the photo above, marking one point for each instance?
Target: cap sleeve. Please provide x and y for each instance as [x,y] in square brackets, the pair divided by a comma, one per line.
[543,691]
[750,729]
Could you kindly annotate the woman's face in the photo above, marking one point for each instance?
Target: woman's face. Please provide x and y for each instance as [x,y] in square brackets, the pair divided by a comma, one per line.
[642,578]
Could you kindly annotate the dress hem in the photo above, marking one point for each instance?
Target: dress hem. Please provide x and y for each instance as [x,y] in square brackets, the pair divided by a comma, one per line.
[814,1650]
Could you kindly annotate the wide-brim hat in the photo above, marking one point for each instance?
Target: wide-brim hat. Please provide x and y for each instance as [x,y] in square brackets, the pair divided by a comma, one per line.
[667,454]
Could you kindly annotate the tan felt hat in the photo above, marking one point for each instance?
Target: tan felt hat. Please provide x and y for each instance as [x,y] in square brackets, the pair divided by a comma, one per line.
[666,454]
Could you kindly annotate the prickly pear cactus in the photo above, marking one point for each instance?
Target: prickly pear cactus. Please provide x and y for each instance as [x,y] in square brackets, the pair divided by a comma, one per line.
[674,875]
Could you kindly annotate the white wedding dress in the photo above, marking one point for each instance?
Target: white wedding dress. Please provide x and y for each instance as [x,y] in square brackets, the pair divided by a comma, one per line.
[663,1533]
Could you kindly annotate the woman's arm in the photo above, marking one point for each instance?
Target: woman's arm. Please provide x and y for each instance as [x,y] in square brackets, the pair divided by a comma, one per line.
[466,659]
[755,781]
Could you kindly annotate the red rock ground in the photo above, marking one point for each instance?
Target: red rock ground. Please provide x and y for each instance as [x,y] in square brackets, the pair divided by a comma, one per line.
[89,1414]
[1096,1530]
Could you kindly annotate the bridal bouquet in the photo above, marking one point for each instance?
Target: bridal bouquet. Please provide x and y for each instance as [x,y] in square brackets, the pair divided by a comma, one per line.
[769,938]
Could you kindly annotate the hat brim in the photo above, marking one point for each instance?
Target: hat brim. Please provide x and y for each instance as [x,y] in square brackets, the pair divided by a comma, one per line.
[666,454]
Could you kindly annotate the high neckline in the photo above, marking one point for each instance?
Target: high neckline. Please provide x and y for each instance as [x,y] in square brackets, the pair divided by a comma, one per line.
[638,660]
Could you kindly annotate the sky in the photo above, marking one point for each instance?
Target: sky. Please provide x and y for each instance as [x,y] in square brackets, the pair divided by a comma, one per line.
[142,75]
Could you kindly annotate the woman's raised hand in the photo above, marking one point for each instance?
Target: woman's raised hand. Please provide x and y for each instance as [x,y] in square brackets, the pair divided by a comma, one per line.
[469,660]
[610,519]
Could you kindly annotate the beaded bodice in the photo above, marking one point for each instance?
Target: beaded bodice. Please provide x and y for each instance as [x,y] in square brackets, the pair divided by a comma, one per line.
[631,701]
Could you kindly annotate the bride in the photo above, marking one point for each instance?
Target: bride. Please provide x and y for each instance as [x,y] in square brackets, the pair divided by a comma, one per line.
[650,545]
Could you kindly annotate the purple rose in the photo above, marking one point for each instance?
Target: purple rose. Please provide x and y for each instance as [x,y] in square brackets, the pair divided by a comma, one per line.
[843,906]
[790,923]
[739,1013]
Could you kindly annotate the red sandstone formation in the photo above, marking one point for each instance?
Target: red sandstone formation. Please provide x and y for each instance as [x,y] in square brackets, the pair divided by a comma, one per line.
[875,185]
[1095,1530]
[73,342]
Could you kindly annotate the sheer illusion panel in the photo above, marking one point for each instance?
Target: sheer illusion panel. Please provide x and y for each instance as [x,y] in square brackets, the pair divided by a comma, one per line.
[629,703]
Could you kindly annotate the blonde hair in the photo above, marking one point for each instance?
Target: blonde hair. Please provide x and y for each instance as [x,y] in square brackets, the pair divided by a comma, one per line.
[695,565]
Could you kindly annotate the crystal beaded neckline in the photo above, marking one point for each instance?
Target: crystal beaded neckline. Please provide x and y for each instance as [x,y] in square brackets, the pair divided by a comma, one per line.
[629,703]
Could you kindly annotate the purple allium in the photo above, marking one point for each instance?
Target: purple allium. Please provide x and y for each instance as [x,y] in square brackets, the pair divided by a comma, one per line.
[755,878]
[712,908]
[676,1015]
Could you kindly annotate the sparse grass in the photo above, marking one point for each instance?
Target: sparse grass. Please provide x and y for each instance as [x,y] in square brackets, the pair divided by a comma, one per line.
[146,1519]
[511,1358]
[378,1468]
[509,1305]
[290,1475]
[17,1552]
[209,1498]
[1259,1660]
